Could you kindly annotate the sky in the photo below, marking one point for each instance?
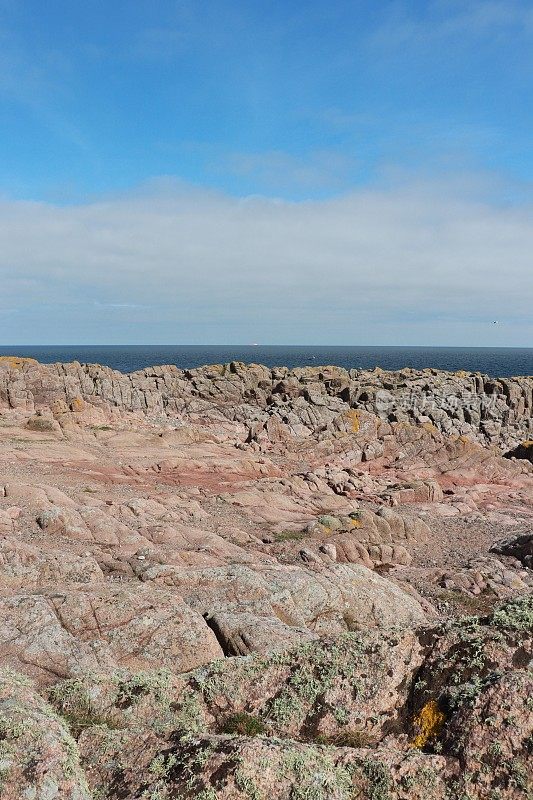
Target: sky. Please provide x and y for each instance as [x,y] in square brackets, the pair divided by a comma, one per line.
[235,171]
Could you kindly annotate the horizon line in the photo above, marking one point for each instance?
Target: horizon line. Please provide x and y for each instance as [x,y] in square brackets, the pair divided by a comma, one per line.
[259,345]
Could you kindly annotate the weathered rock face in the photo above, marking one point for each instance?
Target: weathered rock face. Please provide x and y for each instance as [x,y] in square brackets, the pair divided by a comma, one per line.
[59,634]
[278,402]
[39,757]
[250,584]
[430,713]
[470,699]
[262,768]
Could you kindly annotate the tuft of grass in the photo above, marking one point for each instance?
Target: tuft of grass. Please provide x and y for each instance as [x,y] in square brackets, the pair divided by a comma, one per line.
[73,704]
[348,738]
[243,724]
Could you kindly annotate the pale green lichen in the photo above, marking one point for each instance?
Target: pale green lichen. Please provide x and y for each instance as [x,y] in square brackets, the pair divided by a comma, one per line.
[379,779]
[246,783]
[516,615]
[156,683]
[315,776]
[188,718]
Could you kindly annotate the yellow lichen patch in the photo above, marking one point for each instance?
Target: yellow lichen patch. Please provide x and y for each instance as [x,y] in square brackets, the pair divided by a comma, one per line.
[461,373]
[356,523]
[77,404]
[353,417]
[430,428]
[429,721]
[14,362]
[527,443]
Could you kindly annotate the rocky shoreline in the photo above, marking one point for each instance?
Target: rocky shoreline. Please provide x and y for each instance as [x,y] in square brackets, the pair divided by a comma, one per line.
[243,583]
[495,411]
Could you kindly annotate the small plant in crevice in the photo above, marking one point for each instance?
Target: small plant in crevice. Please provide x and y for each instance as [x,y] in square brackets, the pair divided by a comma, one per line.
[243,724]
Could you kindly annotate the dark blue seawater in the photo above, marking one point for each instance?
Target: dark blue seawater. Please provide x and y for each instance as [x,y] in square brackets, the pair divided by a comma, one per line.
[500,362]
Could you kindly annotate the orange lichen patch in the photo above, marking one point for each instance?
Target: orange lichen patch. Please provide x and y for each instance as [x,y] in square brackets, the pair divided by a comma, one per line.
[429,721]
[356,523]
[462,440]
[528,443]
[77,404]
[14,362]
[353,417]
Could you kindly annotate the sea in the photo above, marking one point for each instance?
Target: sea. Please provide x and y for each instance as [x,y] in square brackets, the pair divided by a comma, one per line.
[496,362]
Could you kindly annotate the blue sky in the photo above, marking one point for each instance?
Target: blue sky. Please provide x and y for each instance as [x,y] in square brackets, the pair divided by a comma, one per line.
[311,172]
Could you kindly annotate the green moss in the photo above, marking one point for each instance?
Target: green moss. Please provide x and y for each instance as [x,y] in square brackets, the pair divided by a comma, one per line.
[328,521]
[289,536]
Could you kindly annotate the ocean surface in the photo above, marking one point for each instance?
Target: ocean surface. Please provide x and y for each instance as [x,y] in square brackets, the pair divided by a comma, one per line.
[500,362]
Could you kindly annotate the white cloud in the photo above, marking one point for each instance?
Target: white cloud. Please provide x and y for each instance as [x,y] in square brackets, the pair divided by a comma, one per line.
[425,262]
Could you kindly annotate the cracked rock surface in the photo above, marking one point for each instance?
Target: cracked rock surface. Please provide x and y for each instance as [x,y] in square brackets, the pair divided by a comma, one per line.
[246,583]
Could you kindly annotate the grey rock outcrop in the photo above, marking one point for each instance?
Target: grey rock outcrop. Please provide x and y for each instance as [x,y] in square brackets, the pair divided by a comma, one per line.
[308,399]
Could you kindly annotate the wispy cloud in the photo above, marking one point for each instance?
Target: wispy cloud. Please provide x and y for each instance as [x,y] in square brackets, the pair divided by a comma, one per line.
[278,170]
[459,20]
[39,82]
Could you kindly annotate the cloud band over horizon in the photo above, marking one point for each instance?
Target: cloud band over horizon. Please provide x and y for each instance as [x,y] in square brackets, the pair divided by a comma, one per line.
[422,261]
